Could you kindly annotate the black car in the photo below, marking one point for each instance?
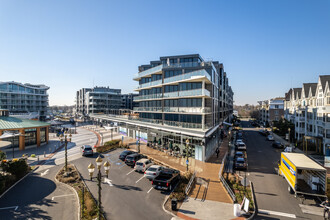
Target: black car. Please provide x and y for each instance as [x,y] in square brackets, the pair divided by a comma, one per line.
[125,153]
[278,145]
[130,160]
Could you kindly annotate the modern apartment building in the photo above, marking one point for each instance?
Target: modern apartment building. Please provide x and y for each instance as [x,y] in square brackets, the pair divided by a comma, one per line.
[180,98]
[309,109]
[97,100]
[128,101]
[271,110]
[22,99]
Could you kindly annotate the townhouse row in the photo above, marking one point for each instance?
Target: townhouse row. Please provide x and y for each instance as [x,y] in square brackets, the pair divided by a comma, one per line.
[308,108]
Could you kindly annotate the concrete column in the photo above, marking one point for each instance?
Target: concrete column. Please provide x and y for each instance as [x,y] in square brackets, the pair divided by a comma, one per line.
[21,139]
[38,137]
[47,134]
[203,122]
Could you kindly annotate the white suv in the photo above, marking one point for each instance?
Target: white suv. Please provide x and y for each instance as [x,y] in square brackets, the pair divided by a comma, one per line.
[153,171]
[142,165]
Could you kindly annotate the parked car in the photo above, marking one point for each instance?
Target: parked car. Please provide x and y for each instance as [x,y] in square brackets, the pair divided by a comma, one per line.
[153,171]
[239,154]
[142,165]
[166,180]
[240,164]
[87,150]
[270,138]
[238,141]
[277,144]
[239,136]
[125,153]
[241,146]
[130,160]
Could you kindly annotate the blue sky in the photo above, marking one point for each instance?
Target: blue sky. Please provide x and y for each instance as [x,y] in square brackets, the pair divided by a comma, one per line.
[266,46]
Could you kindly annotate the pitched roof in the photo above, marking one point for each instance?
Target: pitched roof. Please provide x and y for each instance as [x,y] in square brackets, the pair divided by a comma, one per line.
[306,87]
[17,123]
[297,91]
[324,79]
[287,95]
[313,88]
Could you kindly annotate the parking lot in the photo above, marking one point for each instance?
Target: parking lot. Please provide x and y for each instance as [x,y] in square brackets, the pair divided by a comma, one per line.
[126,194]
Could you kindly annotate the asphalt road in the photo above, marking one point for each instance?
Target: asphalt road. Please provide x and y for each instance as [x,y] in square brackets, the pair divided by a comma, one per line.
[131,196]
[38,196]
[271,190]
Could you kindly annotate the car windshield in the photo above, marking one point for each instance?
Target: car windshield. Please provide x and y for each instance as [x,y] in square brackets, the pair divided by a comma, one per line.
[152,169]
[139,164]
[240,161]
[239,153]
[88,148]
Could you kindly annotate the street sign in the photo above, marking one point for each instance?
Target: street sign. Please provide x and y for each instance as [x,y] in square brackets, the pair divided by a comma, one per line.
[187,162]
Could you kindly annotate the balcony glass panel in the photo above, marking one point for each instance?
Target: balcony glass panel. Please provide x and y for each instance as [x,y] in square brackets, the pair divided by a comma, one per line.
[149,71]
[154,83]
[151,109]
[188,76]
[152,96]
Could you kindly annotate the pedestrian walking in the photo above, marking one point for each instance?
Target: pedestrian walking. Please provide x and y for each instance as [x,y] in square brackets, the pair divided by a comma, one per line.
[217,152]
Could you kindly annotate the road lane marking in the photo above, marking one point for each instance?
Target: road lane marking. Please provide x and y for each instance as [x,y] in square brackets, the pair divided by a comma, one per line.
[108,181]
[44,173]
[62,196]
[267,212]
[129,172]
[12,207]
[122,165]
[140,179]
[150,189]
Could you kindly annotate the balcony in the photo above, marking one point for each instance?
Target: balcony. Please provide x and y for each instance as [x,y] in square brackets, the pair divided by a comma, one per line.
[187,93]
[187,76]
[148,109]
[183,124]
[199,110]
[153,83]
[182,65]
[145,97]
[147,72]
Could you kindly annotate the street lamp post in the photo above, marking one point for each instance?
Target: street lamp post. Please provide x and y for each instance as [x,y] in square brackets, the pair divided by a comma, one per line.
[289,129]
[99,176]
[187,154]
[66,140]
[139,140]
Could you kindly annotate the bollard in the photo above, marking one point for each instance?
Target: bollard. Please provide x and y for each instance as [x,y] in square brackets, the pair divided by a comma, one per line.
[38,158]
[44,153]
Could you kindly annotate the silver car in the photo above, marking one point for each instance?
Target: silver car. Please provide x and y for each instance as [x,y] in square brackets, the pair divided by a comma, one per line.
[87,150]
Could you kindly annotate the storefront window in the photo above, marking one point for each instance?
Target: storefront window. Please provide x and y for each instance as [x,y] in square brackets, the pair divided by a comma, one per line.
[30,136]
[42,135]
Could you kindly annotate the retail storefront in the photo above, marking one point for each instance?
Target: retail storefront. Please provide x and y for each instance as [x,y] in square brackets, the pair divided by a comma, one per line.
[27,132]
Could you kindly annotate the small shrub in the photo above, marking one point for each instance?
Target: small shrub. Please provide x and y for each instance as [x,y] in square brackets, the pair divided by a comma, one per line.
[6,180]
[3,155]
[33,155]
[16,167]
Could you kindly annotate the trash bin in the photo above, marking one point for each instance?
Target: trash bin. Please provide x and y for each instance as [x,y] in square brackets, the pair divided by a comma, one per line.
[174,204]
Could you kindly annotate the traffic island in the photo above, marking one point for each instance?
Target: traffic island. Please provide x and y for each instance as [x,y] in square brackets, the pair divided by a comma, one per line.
[87,203]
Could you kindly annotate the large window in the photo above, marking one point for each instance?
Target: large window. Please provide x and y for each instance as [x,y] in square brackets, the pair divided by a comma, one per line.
[170,89]
[190,86]
[42,135]
[191,118]
[171,103]
[30,136]
[190,102]
[171,73]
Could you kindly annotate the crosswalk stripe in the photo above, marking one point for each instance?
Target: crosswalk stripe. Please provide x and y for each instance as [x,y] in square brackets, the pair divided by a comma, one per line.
[267,212]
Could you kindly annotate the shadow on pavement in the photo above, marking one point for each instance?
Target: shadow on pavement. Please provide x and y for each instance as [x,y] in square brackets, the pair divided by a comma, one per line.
[187,212]
[269,194]
[127,187]
[32,212]
[263,217]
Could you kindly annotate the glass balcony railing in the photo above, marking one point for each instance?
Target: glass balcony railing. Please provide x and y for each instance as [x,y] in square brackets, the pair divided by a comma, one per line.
[148,109]
[149,71]
[182,65]
[188,109]
[152,96]
[153,83]
[188,76]
[194,92]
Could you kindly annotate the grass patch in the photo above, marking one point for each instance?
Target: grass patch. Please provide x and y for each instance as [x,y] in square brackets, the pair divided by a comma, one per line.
[89,208]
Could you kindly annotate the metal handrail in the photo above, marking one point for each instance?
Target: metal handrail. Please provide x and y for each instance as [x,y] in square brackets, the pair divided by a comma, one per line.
[188,187]
[225,184]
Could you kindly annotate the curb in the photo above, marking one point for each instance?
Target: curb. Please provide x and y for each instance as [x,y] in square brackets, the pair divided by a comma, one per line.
[32,171]
[70,187]
[254,202]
